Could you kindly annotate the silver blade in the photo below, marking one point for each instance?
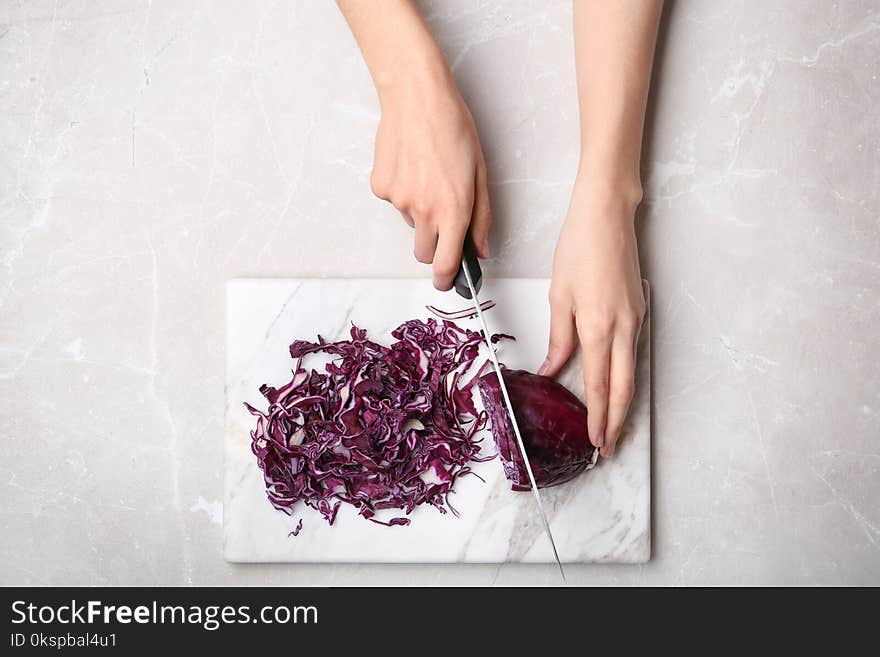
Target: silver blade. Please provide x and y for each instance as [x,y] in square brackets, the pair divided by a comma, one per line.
[522,448]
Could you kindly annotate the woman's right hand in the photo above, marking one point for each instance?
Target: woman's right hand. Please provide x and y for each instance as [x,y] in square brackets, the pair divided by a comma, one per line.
[428,163]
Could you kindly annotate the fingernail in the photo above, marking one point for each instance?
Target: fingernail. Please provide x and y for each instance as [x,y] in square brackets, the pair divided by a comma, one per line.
[600,440]
[544,366]
[486,248]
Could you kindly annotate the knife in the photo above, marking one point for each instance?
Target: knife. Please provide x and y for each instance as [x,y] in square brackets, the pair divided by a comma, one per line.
[467,283]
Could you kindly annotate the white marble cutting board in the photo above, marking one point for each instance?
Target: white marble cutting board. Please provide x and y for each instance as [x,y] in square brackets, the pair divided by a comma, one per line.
[602,515]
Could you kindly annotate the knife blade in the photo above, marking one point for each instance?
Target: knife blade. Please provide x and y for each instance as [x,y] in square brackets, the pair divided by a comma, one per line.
[487,336]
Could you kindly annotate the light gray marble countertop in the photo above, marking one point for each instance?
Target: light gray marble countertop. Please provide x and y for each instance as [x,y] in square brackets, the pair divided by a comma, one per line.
[153,150]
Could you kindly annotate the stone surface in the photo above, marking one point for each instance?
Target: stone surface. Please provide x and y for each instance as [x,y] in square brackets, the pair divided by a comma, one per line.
[601,516]
[151,151]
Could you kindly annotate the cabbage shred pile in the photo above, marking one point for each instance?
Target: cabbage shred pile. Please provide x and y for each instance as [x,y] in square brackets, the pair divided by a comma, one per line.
[380,428]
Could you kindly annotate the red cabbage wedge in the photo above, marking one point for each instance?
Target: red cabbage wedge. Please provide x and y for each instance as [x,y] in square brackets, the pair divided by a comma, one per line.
[553,424]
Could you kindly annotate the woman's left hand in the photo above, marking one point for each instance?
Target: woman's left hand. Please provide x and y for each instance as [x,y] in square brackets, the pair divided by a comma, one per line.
[596,299]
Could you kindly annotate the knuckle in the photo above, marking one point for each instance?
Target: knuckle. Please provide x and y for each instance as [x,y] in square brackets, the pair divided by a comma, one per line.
[421,206]
[399,201]
[453,201]
[597,329]
[629,324]
[631,321]
[444,213]
[423,256]
[462,204]
[598,387]
[445,269]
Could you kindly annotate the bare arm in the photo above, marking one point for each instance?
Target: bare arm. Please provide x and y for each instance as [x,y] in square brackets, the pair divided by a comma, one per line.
[596,295]
[614,51]
[428,162]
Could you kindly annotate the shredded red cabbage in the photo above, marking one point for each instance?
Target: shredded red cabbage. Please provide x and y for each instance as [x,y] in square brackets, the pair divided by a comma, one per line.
[552,422]
[380,428]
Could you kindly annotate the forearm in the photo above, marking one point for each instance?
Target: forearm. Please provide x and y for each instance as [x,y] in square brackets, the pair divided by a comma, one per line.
[614,50]
[396,44]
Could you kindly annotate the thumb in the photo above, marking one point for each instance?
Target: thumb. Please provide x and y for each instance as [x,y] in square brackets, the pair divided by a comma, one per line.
[563,338]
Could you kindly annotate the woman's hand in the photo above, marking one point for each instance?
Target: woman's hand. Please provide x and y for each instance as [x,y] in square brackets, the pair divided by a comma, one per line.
[596,295]
[429,165]
[428,162]
[596,299]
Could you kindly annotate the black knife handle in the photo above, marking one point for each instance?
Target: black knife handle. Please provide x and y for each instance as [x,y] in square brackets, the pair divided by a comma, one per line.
[469,255]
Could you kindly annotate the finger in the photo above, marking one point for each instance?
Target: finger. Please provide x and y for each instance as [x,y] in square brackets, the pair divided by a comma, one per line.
[596,360]
[481,217]
[447,257]
[621,389]
[425,242]
[563,339]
